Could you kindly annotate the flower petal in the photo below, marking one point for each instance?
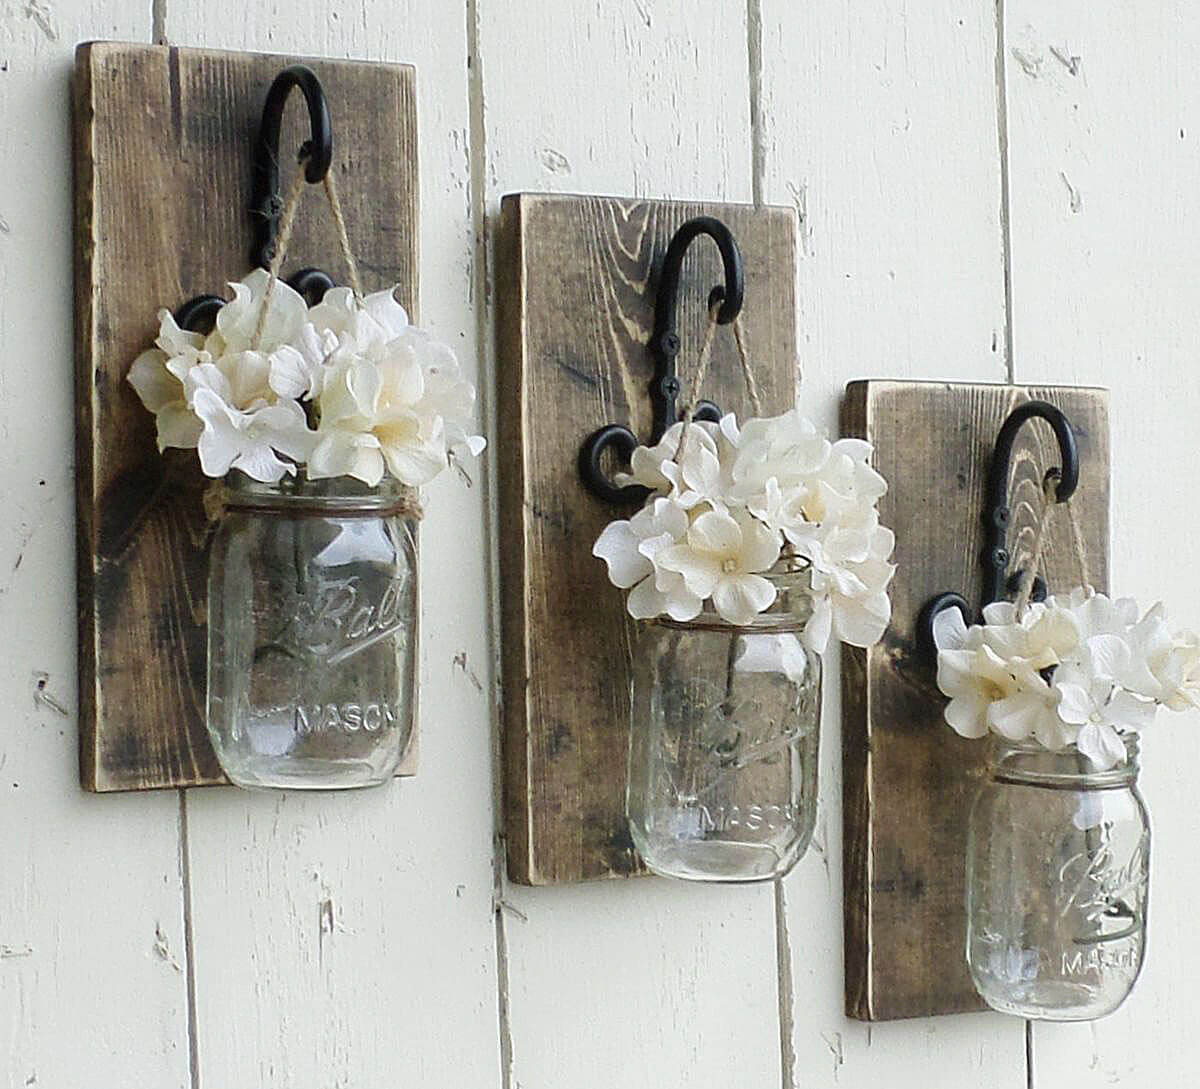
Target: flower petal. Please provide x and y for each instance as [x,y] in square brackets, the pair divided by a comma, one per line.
[617,546]
[740,598]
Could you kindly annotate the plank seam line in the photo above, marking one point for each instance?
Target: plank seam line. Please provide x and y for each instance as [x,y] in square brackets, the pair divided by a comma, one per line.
[754,55]
[1005,194]
[485,355]
[787,1017]
[189,944]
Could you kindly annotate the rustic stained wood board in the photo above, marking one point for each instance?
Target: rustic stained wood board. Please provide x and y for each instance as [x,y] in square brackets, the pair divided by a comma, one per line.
[908,779]
[576,280]
[163,141]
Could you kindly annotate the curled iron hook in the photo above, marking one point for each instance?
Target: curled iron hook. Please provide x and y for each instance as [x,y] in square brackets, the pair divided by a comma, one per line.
[664,346]
[266,206]
[198,314]
[997,583]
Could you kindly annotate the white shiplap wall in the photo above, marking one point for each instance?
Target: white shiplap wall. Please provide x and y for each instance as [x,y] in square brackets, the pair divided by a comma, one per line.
[986,191]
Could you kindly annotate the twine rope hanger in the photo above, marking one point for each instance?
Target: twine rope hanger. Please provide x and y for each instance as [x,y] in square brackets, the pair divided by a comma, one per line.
[702,362]
[1041,533]
[287,223]
[216,499]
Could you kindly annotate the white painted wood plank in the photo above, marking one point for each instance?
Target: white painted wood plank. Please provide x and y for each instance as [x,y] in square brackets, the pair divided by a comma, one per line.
[1104,110]
[349,940]
[92,986]
[640,982]
[880,123]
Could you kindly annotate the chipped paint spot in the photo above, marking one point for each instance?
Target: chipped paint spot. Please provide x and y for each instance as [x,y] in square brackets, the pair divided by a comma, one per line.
[834,1043]
[162,948]
[555,161]
[1065,58]
[14,952]
[1031,63]
[512,909]
[42,15]
[799,194]
[460,661]
[1076,198]
[43,697]
[6,229]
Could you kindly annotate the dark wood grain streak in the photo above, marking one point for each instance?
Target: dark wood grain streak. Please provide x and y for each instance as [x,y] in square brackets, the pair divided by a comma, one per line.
[908,779]
[162,179]
[575,281]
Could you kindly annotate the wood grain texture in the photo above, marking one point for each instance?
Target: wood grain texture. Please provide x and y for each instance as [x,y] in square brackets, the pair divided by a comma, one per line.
[908,779]
[162,152]
[1104,111]
[576,281]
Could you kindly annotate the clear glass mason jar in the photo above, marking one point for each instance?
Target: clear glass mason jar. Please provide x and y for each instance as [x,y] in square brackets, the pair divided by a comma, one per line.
[1058,867]
[723,742]
[312,609]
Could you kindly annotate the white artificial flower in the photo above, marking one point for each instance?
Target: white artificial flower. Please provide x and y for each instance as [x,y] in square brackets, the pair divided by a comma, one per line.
[722,558]
[388,396]
[1178,672]
[237,321]
[950,632]
[157,377]
[297,372]
[1098,614]
[990,690]
[786,448]
[850,598]
[770,482]
[630,549]
[1091,700]
[987,692]
[1080,669]
[376,318]
[699,478]
[215,392]
[776,652]
[1043,636]
[394,405]
[248,441]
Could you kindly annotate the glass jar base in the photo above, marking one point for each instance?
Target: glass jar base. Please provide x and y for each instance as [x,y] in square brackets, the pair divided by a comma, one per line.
[718,862]
[1051,1000]
[296,773]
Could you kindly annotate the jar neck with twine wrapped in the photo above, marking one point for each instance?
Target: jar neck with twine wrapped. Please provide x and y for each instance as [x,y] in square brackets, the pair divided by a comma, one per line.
[219,497]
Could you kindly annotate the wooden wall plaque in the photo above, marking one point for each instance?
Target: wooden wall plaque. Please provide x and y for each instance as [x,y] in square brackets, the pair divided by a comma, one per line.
[908,779]
[576,279]
[163,140]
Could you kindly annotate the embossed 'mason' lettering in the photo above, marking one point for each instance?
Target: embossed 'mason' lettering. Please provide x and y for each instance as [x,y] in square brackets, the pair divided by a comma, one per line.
[751,816]
[1095,961]
[343,717]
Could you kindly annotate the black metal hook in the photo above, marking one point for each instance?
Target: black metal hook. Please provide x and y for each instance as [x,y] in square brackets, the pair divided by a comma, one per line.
[266,206]
[997,583]
[197,314]
[664,346]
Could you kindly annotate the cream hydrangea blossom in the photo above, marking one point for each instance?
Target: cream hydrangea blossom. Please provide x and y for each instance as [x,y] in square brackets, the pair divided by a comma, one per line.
[770,490]
[214,392]
[1080,670]
[630,548]
[346,387]
[397,405]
